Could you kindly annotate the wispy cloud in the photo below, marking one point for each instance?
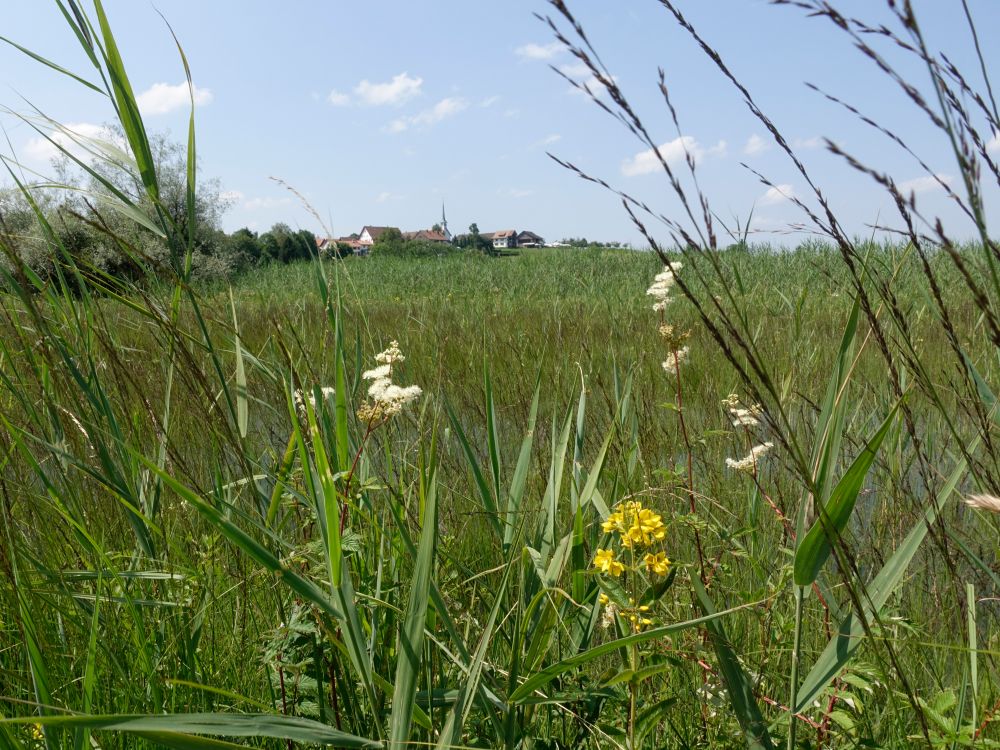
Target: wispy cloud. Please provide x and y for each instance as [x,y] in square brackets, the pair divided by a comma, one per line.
[385,195]
[777,194]
[41,149]
[993,144]
[924,184]
[444,109]
[401,88]
[547,140]
[673,152]
[161,98]
[489,101]
[232,197]
[534,51]
[256,204]
[755,145]
[582,75]
[812,142]
[338,98]
[516,192]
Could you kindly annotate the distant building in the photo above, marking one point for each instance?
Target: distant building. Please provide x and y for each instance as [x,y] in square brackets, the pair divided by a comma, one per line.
[369,235]
[428,235]
[529,239]
[505,238]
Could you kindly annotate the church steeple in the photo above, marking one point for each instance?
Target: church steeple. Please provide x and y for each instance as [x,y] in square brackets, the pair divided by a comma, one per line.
[444,223]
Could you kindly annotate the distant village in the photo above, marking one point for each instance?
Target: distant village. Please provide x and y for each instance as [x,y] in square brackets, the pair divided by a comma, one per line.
[504,239]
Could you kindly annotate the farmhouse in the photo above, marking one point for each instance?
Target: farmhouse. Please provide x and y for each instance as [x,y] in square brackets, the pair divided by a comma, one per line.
[508,238]
[505,238]
[429,235]
[369,235]
[529,239]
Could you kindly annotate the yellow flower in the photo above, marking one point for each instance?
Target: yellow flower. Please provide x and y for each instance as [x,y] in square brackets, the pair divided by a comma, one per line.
[647,527]
[614,522]
[605,561]
[36,732]
[603,599]
[658,563]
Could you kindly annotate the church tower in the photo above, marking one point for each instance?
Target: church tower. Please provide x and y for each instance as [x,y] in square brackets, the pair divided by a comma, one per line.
[444,224]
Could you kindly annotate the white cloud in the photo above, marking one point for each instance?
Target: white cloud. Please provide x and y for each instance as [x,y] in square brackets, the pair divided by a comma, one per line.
[232,196]
[924,184]
[813,142]
[777,194]
[401,88]
[161,98]
[576,70]
[256,204]
[673,152]
[338,98]
[489,101]
[993,144]
[534,51]
[516,192]
[445,108]
[549,140]
[755,145]
[40,149]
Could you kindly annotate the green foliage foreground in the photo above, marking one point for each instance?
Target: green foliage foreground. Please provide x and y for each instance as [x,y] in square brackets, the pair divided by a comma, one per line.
[547,517]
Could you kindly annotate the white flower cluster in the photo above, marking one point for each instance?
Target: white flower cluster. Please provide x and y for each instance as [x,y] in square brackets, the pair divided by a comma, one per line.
[674,359]
[662,284]
[300,400]
[387,398]
[750,461]
[742,416]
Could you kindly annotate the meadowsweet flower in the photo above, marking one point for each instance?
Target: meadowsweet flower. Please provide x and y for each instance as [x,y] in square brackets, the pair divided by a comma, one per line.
[662,284]
[750,461]
[300,397]
[747,417]
[675,358]
[390,356]
[604,561]
[742,415]
[382,371]
[387,398]
[658,563]
[984,502]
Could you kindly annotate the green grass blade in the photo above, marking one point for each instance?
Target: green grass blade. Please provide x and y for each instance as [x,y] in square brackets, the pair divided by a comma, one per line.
[218,724]
[540,679]
[411,637]
[519,479]
[738,685]
[814,549]
[850,634]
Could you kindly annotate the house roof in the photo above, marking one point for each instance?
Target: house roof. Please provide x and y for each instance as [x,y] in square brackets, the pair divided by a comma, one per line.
[526,233]
[502,233]
[425,234]
[374,232]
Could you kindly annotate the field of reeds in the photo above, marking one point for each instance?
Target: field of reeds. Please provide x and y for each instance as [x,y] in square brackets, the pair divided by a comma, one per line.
[699,496]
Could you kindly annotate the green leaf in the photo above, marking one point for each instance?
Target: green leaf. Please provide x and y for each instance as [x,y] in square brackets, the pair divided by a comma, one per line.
[814,549]
[217,724]
[850,633]
[411,637]
[544,677]
[738,686]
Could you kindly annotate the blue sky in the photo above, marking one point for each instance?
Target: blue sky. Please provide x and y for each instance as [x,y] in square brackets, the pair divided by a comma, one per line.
[378,111]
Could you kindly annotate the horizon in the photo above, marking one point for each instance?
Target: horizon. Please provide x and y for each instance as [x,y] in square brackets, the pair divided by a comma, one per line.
[381,128]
